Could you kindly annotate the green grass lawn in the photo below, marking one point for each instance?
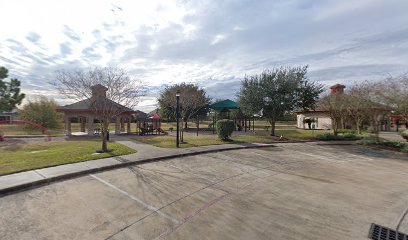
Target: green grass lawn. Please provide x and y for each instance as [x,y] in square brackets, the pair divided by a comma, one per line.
[21,130]
[18,130]
[170,141]
[25,157]
[204,140]
[259,125]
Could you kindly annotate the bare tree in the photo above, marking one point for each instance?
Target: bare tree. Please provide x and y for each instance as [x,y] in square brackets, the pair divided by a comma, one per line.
[393,91]
[336,105]
[109,91]
[359,105]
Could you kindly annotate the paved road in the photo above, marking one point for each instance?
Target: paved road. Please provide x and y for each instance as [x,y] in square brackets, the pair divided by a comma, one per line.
[292,191]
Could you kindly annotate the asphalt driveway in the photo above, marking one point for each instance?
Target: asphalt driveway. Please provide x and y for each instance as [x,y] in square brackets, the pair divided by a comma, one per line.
[292,191]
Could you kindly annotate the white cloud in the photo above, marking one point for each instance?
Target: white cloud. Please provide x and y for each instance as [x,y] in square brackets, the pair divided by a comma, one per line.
[218,38]
[210,43]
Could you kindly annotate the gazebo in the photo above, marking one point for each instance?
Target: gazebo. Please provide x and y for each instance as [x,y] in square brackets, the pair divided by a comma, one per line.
[226,106]
[86,112]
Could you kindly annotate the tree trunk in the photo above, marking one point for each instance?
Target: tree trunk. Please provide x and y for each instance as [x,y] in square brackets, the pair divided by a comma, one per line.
[104,132]
[185,125]
[358,123]
[376,131]
[104,141]
[273,123]
[335,127]
[342,123]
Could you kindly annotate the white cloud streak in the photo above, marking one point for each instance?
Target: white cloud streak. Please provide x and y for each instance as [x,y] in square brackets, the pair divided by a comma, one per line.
[212,43]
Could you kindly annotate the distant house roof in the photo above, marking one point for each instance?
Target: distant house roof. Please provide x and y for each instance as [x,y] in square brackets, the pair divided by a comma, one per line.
[12,112]
[140,115]
[311,110]
[224,105]
[155,111]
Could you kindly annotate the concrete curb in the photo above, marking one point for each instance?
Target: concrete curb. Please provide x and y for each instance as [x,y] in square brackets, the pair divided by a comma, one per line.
[49,180]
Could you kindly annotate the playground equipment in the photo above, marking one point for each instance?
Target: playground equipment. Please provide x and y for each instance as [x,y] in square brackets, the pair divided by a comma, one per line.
[151,125]
[24,123]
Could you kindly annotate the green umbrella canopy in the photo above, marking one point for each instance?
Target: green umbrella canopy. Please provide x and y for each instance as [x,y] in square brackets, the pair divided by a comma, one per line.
[224,105]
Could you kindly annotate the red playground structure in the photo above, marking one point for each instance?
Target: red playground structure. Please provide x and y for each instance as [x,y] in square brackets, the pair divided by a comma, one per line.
[24,123]
[152,125]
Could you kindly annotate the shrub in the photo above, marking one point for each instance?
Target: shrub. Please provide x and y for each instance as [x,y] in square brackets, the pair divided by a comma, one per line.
[351,136]
[331,137]
[225,128]
[369,140]
[309,122]
[346,131]
[404,148]
[42,112]
[404,134]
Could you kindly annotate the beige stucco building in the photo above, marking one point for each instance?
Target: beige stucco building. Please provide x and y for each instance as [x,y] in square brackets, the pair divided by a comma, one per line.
[322,118]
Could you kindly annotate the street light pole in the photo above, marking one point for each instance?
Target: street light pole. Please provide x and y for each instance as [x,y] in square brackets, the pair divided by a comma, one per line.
[177,117]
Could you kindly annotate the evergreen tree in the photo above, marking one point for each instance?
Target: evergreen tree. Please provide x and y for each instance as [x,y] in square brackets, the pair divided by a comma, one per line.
[10,95]
[277,92]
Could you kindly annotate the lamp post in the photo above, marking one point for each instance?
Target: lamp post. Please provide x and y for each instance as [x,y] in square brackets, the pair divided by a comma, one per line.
[177,118]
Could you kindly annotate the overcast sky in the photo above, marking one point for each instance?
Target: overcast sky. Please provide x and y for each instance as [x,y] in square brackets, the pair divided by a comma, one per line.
[211,43]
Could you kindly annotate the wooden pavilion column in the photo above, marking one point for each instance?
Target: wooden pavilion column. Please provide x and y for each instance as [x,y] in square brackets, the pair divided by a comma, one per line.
[129,119]
[117,125]
[82,120]
[90,125]
[67,121]
[122,124]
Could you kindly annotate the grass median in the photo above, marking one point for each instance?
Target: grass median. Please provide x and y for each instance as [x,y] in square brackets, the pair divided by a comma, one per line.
[189,141]
[257,137]
[24,157]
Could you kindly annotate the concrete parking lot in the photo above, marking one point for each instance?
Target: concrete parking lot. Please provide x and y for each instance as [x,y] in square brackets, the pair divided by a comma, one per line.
[291,191]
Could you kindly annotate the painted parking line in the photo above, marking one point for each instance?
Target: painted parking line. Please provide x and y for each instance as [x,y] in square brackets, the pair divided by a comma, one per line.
[135,199]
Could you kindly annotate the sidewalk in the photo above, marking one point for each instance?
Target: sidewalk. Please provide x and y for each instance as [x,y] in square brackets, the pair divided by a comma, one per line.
[145,153]
[392,136]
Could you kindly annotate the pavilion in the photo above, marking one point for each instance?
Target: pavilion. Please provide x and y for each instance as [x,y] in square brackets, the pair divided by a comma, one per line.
[224,107]
[86,112]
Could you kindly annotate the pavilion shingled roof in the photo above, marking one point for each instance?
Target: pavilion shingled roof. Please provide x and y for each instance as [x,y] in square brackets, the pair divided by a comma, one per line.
[86,105]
